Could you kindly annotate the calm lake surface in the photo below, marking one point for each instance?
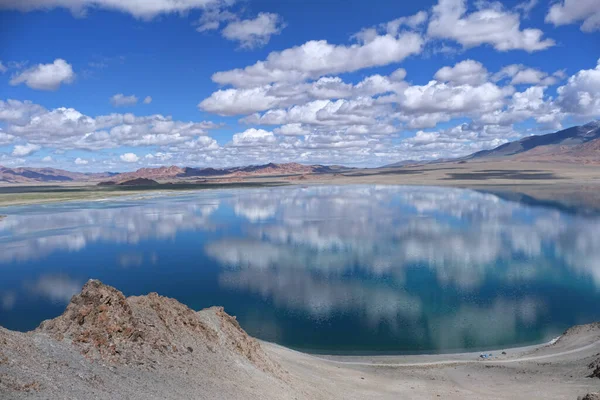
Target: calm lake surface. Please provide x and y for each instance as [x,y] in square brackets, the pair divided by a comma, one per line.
[350,269]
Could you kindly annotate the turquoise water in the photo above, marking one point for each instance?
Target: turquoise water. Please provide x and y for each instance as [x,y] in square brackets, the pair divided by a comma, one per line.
[352,269]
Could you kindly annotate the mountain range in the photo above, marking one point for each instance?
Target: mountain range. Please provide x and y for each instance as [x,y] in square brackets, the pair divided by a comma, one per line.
[37,175]
[578,144]
[575,144]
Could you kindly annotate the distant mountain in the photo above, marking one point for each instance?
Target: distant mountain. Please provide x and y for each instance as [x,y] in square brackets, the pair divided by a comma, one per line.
[36,175]
[570,141]
[403,163]
[150,173]
[578,144]
[173,172]
[40,175]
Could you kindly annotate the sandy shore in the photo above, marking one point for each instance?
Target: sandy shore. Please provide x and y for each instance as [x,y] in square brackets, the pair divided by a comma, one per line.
[106,346]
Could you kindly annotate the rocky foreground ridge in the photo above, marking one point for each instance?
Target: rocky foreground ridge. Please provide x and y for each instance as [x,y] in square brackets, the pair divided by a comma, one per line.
[107,346]
[151,336]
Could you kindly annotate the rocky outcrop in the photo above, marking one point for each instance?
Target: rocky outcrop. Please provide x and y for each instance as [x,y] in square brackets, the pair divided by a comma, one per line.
[106,326]
[595,367]
[590,396]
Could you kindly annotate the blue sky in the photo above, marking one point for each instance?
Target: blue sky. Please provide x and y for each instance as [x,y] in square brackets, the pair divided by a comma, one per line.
[99,85]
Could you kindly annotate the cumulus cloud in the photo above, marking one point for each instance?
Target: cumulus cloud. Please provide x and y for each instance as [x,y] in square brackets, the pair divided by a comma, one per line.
[318,58]
[147,100]
[581,94]
[22,150]
[256,99]
[5,138]
[3,68]
[80,161]
[255,32]
[253,137]
[522,75]
[468,72]
[490,24]
[392,27]
[45,76]
[120,100]
[129,158]
[572,11]
[138,9]
[67,128]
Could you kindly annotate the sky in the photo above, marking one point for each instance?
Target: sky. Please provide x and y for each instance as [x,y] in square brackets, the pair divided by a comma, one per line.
[117,85]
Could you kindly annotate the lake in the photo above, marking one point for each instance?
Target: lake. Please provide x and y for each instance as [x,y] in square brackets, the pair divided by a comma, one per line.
[325,269]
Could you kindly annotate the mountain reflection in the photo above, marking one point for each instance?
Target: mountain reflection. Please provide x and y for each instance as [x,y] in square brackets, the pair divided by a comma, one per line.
[408,268]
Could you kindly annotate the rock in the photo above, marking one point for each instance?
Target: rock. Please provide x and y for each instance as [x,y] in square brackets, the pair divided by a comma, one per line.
[595,367]
[105,325]
[590,396]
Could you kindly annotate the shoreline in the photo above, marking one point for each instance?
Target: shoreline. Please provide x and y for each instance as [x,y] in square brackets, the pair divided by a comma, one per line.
[512,355]
[107,346]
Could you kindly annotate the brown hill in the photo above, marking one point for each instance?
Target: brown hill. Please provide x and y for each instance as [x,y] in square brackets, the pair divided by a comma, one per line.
[33,175]
[36,175]
[575,144]
[586,153]
[137,182]
[151,173]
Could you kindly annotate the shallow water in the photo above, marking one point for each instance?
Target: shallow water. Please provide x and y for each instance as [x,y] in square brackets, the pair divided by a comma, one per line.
[351,269]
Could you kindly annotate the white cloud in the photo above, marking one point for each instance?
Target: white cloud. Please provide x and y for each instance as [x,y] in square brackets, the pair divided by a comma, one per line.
[253,137]
[489,25]
[441,97]
[571,11]
[526,6]
[318,57]
[465,72]
[255,32]
[250,100]
[129,158]
[47,159]
[25,150]
[67,128]
[138,9]
[581,94]
[3,68]
[147,100]
[81,161]
[120,100]
[45,76]
[294,129]
[5,138]
[212,18]
[521,74]
[392,27]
